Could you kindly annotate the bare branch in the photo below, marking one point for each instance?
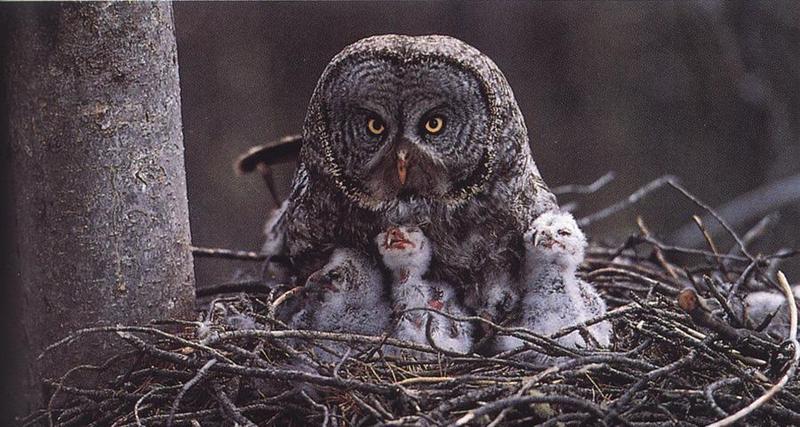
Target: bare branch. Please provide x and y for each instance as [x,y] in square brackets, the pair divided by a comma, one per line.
[594,187]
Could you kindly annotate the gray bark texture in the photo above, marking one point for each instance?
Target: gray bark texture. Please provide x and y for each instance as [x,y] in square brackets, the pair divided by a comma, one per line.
[99,182]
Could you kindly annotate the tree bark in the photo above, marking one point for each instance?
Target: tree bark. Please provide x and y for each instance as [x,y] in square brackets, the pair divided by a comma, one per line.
[99,181]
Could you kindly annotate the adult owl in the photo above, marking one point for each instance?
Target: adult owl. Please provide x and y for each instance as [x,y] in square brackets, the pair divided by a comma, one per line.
[412,130]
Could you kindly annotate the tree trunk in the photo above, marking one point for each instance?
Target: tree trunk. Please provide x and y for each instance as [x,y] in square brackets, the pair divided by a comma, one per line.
[99,180]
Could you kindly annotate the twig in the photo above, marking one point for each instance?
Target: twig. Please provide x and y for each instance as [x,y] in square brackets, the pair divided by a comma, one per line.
[141,329]
[594,187]
[712,285]
[250,287]
[754,204]
[280,374]
[741,280]
[283,297]
[201,252]
[201,375]
[144,397]
[318,405]
[709,393]
[685,250]
[792,307]
[759,229]
[713,213]
[634,198]
[650,376]
[711,244]
[658,252]
[228,407]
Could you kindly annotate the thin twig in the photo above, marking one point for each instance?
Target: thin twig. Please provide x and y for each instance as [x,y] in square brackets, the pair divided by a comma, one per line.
[203,252]
[229,408]
[711,244]
[201,375]
[658,252]
[594,187]
[742,246]
[634,198]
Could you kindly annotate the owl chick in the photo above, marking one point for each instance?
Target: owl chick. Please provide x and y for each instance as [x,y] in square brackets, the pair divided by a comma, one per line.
[407,253]
[346,295]
[554,297]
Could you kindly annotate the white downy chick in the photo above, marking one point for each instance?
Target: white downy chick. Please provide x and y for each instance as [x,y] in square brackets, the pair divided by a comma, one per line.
[554,297]
[406,252]
[346,295]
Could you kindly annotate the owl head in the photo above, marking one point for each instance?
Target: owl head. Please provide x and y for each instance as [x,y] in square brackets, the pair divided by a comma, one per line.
[347,271]
[556,236]
[404,248]
[397,118]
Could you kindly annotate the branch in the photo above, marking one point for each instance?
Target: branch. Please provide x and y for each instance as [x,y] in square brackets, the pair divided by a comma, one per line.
[585,189]
[200,252]
[631,200]
[743,209]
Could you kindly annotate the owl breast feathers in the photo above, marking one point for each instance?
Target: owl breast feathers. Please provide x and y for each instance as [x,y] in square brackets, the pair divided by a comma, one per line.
[414,130]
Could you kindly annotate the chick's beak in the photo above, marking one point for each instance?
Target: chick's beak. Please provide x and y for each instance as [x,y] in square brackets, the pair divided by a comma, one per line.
[537,237]
[396,239]
[402,165]
[319,282]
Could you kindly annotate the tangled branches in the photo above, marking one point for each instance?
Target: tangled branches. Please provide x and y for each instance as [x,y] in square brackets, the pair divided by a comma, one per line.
[683,355]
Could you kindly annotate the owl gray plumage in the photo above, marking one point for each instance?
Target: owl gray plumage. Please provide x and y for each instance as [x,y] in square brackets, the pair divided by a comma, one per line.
[472,185]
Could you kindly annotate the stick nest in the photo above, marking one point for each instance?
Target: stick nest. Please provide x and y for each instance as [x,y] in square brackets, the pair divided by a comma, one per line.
[673,361]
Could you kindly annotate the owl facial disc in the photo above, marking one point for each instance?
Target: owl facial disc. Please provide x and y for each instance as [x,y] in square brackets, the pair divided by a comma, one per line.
[403,119]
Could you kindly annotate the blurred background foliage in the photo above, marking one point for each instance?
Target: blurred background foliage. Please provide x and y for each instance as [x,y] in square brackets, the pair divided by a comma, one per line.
[707,91]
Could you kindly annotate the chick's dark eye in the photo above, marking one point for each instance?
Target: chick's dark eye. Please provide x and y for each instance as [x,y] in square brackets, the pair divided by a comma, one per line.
[564,232]
[434,125]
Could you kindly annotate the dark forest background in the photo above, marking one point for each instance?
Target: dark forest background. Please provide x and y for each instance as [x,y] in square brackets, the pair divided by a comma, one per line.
[708,91]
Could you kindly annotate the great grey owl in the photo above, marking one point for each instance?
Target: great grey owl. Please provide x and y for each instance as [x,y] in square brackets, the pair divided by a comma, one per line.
[413,130]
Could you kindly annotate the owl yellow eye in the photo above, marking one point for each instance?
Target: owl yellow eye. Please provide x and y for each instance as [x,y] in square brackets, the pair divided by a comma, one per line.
[375,126]
[434,125]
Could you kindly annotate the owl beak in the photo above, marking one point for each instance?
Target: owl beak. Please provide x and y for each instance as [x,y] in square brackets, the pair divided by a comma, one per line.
[402,167]
[537,237]
[319,282]
[395,239]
